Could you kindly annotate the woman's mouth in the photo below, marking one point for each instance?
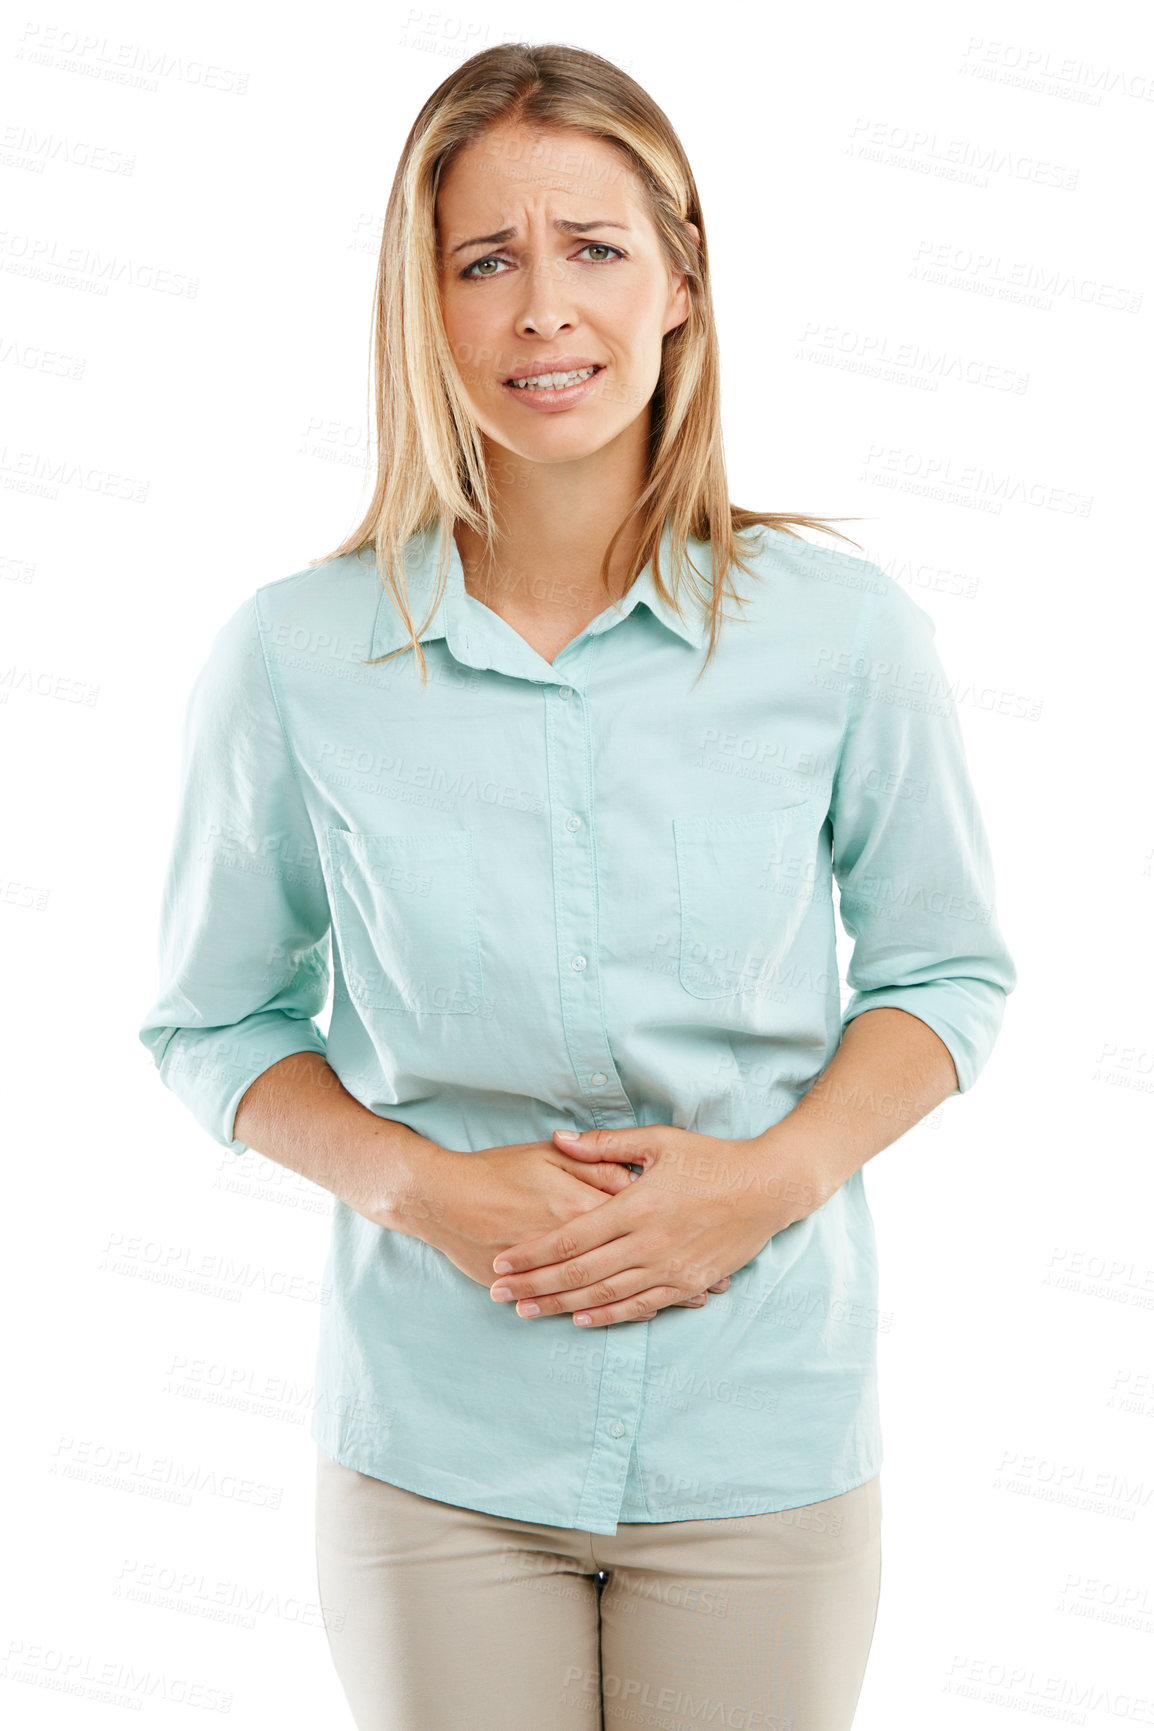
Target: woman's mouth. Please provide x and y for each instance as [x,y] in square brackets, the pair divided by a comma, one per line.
[553,390]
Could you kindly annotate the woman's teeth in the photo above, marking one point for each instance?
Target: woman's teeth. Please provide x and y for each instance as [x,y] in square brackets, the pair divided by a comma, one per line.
[553,381]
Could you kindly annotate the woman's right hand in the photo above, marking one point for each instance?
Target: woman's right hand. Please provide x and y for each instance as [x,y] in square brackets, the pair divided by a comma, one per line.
[481,1203]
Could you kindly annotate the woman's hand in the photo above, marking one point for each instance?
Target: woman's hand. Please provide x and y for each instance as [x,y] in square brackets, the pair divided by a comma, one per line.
[703,1207]
[480,1201]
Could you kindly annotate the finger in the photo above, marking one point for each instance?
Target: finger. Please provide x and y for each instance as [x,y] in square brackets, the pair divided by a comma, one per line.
[620,1289]
[587,1232]
[609,1175]
[721,1285]
[609,1300]
[629,1145]
[641,1306]
[648,1315]
[601,1263]
[598,1275]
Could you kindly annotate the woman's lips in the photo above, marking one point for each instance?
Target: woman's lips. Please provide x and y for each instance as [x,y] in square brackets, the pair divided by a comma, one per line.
[547,401]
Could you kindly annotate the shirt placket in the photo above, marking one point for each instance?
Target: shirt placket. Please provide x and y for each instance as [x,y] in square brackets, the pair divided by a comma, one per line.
[569,768]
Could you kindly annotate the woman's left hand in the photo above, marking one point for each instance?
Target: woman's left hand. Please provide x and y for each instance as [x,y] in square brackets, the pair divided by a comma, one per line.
[702,1208]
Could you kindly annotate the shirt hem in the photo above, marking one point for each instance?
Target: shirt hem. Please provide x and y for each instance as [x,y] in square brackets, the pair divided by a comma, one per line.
[539,1516]
[684,1513]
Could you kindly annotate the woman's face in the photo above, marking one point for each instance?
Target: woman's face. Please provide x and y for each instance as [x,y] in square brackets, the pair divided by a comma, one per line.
[596,292]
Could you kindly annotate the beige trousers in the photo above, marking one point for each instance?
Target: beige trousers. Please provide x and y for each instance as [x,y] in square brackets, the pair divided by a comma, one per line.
[442,1618]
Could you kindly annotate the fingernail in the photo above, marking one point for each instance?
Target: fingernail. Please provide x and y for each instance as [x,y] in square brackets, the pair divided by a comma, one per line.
[502,1292]
[530,1309]
[567,1135]
[502,1268]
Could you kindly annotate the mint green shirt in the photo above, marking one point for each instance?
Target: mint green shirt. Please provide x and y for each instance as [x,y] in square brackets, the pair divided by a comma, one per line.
[582,894]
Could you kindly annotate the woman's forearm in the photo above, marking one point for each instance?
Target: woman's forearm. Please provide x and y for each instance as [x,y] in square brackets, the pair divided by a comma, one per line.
[299,1113]
[889,1070]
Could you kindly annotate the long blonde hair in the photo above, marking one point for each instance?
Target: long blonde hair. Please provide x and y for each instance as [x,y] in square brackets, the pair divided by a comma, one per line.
[430,458]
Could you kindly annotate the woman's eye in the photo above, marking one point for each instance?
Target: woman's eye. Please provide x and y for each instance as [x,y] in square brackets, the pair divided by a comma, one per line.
[473,272]
[477,263]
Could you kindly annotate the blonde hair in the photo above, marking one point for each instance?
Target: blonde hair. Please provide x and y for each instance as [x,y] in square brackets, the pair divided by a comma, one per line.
[430,458]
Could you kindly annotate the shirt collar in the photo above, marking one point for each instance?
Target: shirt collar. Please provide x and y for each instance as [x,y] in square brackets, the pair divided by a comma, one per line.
[458,611]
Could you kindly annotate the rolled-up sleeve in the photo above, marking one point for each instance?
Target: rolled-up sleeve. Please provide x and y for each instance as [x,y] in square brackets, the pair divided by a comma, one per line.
[244,921]
[910,851]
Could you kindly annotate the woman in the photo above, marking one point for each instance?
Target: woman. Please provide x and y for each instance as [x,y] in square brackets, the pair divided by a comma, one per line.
[575,832]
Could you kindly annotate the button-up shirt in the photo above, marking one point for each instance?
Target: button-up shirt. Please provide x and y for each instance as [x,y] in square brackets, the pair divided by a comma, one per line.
[592,892]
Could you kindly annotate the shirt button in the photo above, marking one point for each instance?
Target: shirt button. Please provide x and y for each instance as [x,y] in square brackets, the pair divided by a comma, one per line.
[572,823]
[565,691]
[580,962]
[617,1428]
[599,1079]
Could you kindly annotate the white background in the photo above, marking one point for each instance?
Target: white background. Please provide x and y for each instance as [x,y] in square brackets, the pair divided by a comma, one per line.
[902,219]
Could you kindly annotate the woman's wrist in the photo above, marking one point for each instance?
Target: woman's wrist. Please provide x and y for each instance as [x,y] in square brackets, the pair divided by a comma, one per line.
[402,1180]
[787,1170]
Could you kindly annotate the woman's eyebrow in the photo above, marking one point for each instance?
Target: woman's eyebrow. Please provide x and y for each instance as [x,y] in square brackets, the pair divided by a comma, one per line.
[558,223]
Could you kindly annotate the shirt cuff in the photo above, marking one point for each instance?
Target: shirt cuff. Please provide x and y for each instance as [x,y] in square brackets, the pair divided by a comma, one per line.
[211,1069]
[965,1014]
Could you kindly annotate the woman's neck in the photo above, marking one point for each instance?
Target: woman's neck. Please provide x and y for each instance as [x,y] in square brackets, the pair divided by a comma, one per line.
[554,523]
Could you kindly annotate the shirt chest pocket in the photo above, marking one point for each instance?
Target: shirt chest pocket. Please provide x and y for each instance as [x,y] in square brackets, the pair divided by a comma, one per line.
[745,884]
[405,919]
